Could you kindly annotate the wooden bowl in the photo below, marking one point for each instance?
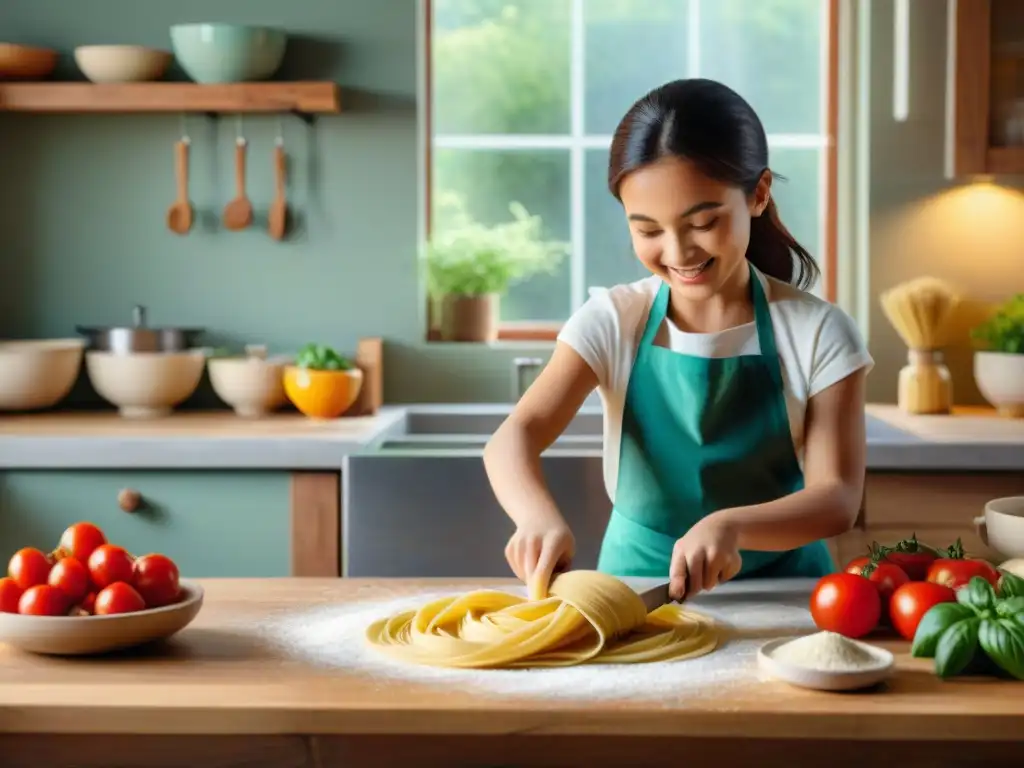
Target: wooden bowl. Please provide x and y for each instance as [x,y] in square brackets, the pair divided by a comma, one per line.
[23,62]
[85,635]
[322,394]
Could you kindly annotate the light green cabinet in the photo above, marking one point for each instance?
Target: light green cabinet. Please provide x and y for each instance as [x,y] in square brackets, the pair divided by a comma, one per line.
[213,524]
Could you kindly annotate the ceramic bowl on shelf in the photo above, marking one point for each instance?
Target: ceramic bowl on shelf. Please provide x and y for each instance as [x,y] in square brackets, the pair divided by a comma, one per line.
[1002,526]
[322,394]
[85,635]
[25,62]
[38,374]
[1000,379]
[252,384]
[121,63]
[228,53]
[145,384]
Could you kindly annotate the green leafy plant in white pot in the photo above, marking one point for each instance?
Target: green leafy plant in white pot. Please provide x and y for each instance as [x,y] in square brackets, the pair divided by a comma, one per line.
[999,358]
[469,266]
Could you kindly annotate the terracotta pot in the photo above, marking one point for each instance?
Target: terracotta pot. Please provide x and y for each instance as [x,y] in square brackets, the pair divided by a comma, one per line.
[470,318]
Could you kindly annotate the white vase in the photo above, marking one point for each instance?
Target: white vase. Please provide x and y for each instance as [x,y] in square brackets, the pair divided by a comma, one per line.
[1000,378]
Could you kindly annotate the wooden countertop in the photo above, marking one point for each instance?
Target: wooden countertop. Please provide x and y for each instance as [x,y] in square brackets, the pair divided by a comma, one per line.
[967,424]
[216,678]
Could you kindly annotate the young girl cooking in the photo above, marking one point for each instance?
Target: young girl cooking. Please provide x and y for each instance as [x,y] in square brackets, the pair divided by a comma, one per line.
[734,400]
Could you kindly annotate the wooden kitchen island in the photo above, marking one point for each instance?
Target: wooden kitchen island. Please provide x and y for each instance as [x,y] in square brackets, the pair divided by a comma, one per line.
[216,695]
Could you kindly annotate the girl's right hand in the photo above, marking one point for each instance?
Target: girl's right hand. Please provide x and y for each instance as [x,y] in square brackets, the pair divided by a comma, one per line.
[538,551]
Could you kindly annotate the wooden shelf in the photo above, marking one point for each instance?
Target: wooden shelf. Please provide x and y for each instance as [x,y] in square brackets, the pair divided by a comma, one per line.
[1005,160]
[268,97]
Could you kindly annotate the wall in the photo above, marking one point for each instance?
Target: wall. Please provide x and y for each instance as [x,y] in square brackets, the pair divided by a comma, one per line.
[970,233]
[83,200]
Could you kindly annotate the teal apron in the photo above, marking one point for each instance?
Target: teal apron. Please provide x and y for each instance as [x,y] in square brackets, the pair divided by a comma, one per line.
[699,435]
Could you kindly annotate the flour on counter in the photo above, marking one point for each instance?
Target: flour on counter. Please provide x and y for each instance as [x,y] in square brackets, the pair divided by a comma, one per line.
[825,651]
[333,637]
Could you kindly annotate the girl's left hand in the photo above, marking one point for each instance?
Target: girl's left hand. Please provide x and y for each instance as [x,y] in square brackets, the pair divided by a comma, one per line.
[705,557]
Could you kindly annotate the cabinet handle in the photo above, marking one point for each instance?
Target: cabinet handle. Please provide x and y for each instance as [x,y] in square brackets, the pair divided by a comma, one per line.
[129,499]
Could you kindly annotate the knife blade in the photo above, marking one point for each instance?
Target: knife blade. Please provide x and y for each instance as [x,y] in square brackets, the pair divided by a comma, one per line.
[655,597]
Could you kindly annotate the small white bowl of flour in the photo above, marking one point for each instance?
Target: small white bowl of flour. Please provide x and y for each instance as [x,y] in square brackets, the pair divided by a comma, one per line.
[825,661]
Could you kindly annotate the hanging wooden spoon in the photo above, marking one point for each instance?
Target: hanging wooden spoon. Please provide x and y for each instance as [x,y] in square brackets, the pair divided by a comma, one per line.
[278,223]
[179,215]
[238,213]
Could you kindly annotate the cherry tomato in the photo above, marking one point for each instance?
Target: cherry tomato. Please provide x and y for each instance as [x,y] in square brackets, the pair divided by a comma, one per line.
[80,540]
[156,579]
[912,601]
[29,567]
[847,604]
[118,597]
[43,600]
[913,557]
[955,573]
[88,604]
[70,576]
[10,593]
[885,576]
[109,563]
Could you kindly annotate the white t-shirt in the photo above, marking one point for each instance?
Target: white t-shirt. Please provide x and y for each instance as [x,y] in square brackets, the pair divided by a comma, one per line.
[818,345]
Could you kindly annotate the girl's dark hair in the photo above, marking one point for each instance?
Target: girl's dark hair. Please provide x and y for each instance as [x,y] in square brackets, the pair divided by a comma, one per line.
[714,127]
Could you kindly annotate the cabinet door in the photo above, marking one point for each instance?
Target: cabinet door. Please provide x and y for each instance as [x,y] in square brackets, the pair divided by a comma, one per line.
[986,135]
[213,524]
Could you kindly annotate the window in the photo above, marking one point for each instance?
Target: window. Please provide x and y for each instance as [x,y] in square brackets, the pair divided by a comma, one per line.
[525,94]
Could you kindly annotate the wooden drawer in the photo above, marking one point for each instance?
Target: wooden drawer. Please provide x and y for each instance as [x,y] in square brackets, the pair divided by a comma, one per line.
[214,524]
[934,500]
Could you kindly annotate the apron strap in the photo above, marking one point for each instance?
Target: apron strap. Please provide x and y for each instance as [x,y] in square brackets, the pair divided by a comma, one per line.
[659,308]
[765,331]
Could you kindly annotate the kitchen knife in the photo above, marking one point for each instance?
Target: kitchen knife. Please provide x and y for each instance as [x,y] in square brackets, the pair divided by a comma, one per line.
[655,597]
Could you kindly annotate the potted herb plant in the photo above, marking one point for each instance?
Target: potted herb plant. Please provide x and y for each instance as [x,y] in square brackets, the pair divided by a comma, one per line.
[999,358]
[470,266]
[322,384]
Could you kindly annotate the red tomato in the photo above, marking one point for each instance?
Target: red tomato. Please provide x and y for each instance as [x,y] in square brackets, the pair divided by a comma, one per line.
[10,593]
[80,540]
[43,600]
[109,563]
[955,573]
[913,557]
[71,577]
[88,604]
[156,579]
[118,597]
[847,604]
[885,576]
[29,567]
[912,601]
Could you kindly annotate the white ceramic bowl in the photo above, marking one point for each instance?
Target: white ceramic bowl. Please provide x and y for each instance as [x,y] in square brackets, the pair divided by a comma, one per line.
[251,385]
[1000,378]
[825,680]
[38,374]
[121,63]
[1002,526]
[145,384]
[83,635]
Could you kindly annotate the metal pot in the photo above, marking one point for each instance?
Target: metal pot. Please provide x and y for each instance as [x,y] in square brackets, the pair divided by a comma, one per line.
[139,338]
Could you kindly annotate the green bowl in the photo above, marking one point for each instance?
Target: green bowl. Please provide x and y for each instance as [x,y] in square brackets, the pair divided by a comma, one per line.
[228,53]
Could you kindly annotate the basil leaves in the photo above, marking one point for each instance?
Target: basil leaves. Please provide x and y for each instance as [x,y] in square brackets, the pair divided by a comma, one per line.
[980,620]
[318,357]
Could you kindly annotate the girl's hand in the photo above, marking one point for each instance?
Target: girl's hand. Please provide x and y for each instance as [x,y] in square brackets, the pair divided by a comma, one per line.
[705,557]
[537,551]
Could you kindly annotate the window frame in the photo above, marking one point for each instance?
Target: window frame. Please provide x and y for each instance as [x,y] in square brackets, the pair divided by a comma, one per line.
[548,331]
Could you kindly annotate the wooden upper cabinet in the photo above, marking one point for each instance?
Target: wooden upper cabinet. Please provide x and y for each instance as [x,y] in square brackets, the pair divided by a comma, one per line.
[986,78]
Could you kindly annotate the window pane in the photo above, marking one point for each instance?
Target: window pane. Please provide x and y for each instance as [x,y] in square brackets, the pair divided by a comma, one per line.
[500,66]
[632,46]
[491,180]
[799,197]
[609,253]
[770,52]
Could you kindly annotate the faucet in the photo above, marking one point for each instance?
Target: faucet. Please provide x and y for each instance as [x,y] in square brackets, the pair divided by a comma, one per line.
[526,370]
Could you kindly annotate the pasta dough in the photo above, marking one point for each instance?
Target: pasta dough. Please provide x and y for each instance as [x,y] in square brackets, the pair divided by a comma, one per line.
[588,617]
